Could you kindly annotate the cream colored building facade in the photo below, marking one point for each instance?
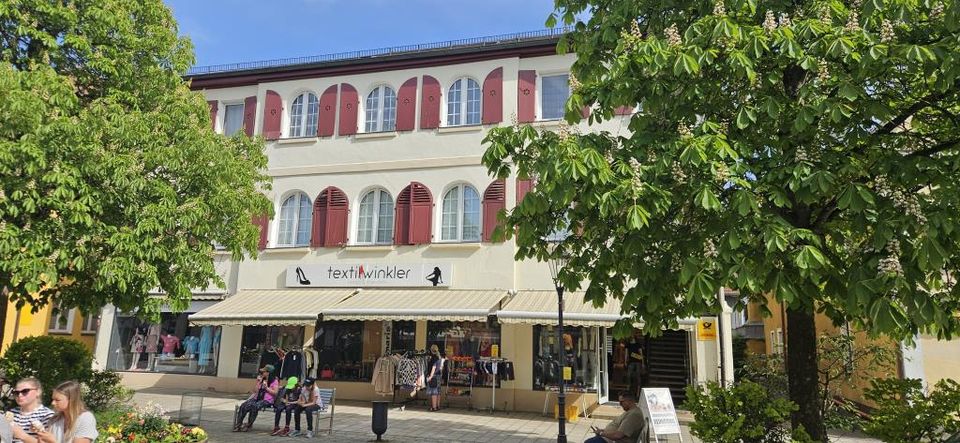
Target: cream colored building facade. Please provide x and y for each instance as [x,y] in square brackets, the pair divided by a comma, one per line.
[267,292]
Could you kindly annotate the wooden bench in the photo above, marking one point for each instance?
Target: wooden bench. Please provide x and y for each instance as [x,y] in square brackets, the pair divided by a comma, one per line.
[328,395]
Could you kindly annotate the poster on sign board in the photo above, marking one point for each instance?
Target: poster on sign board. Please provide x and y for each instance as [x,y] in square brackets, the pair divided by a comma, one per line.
[658,406]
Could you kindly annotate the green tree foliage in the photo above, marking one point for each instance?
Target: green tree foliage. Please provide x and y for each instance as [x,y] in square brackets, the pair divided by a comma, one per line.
[906,414]
[744,413]
[52,360]
[111,181]
[803,149]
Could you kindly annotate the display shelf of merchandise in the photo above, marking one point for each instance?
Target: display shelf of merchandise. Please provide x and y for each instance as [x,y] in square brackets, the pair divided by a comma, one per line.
[459,383]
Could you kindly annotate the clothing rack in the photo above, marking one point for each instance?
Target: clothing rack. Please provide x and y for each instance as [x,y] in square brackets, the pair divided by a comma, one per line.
[398,387]
[494,361]
[460,365]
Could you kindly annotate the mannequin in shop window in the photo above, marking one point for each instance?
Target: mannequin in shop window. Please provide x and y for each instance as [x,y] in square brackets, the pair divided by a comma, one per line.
[152,345]
[636,363]
[136,348]
[170,344]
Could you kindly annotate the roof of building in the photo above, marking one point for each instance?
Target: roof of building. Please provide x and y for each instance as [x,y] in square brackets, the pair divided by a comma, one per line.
[524,44]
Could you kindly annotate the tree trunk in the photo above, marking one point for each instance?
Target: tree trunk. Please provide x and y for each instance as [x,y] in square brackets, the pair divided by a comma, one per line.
[802,372]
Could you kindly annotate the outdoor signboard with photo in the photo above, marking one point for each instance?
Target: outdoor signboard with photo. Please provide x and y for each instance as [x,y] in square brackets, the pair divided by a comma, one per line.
[658,406]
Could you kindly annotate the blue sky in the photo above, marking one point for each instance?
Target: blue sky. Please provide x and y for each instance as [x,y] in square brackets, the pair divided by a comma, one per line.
[229,31]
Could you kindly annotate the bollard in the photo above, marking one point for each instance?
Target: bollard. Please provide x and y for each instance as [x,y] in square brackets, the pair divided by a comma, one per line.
[379,423]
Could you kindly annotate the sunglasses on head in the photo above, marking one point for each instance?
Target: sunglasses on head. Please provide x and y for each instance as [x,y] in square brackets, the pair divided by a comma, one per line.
[23,391]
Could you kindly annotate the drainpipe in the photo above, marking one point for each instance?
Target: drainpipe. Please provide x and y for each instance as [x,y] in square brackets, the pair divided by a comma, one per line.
[725,336]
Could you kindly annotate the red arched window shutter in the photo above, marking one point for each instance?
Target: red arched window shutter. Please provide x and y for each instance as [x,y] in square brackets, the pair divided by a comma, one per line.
[330,219]
[585,112]
[623,110]
[328,112]
[401,219]
[272,114]
[213,113]
[249,115]
[349,102]
[430,104]
[527,96]
[407,105]
[262,222]
[421,214]
[493,97]
[524,185]
[494,199]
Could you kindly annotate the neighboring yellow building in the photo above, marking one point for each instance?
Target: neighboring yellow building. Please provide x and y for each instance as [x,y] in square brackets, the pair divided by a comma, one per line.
[69,324]
[929,359]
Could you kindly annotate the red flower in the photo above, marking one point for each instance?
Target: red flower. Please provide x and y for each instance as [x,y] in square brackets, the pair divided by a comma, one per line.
[131,436]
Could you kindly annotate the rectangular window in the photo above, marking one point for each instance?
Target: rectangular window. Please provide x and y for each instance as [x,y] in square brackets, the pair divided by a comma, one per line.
[171,346]
[462,344]
[61,321]
[90,324]
[578,351]
[347,350]
[232,119]
[555,92]
[265,345]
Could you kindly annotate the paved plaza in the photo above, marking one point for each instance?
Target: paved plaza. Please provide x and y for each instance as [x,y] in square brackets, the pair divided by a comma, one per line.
[413,425]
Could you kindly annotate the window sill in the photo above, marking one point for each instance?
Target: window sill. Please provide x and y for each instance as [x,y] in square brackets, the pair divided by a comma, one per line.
[59,333]
[285,249]
[552,123]
[375,135]
[88,333]
[456,245]
[460,128]
[297,141]
[368,248]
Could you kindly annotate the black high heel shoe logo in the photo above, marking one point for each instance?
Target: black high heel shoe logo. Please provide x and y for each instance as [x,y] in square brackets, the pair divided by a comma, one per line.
[301,277]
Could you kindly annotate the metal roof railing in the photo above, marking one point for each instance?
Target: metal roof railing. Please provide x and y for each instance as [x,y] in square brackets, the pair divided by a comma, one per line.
[367,53]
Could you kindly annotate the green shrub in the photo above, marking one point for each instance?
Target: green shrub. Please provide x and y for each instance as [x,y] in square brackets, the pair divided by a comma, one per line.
[52,360]
[744,413]
[103,391]
[905,413]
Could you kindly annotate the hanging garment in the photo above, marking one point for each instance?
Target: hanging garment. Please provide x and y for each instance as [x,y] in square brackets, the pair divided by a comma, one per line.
[206,338]
[408,372]
[292,365]
[136,342]
[311,359]
[153,338]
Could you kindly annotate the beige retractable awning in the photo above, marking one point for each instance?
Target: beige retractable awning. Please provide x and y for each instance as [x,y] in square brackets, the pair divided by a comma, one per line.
[274,307]
[418,304]
[540,308]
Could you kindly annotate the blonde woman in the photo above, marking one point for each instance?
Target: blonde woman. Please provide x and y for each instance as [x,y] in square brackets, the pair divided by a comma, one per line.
[72,423]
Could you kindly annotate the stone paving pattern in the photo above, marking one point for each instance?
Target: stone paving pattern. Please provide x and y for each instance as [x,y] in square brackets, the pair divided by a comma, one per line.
[414,424]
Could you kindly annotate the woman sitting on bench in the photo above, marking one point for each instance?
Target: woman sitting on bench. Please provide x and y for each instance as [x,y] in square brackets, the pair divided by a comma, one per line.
[309,402]
[262,397]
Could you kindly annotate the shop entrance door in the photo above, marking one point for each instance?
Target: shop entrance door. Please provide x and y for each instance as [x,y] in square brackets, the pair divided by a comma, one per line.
[603,351]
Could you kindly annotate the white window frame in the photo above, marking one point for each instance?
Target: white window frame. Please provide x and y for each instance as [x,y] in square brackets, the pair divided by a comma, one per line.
[464,102]
[223,120]
[90,323]
[304,116]
[53,325]
[375,225]
[459,188]
[378,123]
[540,82]
[296,222]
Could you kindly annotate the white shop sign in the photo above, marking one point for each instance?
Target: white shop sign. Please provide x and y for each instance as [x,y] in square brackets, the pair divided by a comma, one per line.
[358,275]
[657,403]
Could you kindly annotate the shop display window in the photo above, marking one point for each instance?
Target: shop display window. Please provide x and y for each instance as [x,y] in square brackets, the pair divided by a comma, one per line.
[172,346]
[347,350]
[579,352]
[463,344]
[263,345]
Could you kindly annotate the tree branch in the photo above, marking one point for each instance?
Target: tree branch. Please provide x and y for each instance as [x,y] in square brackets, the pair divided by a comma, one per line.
[940,147]
[929,100]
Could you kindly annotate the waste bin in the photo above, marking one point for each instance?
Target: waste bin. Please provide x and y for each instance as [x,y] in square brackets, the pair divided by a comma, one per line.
[379,421]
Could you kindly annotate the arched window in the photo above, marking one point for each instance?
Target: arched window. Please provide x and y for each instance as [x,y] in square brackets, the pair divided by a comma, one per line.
[461,214]
[381,110]
[463,103]
[304,124]
[375,222]
[295,221]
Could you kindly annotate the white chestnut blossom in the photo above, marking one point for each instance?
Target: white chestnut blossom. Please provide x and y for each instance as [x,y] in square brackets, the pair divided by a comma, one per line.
[673,36]
[769,22]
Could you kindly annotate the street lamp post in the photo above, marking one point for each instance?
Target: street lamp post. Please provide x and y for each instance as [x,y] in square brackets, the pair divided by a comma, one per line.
[558,261]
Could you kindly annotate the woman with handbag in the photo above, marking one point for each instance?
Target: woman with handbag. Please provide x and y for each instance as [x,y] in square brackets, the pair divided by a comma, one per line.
[263,396]
[435,367]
